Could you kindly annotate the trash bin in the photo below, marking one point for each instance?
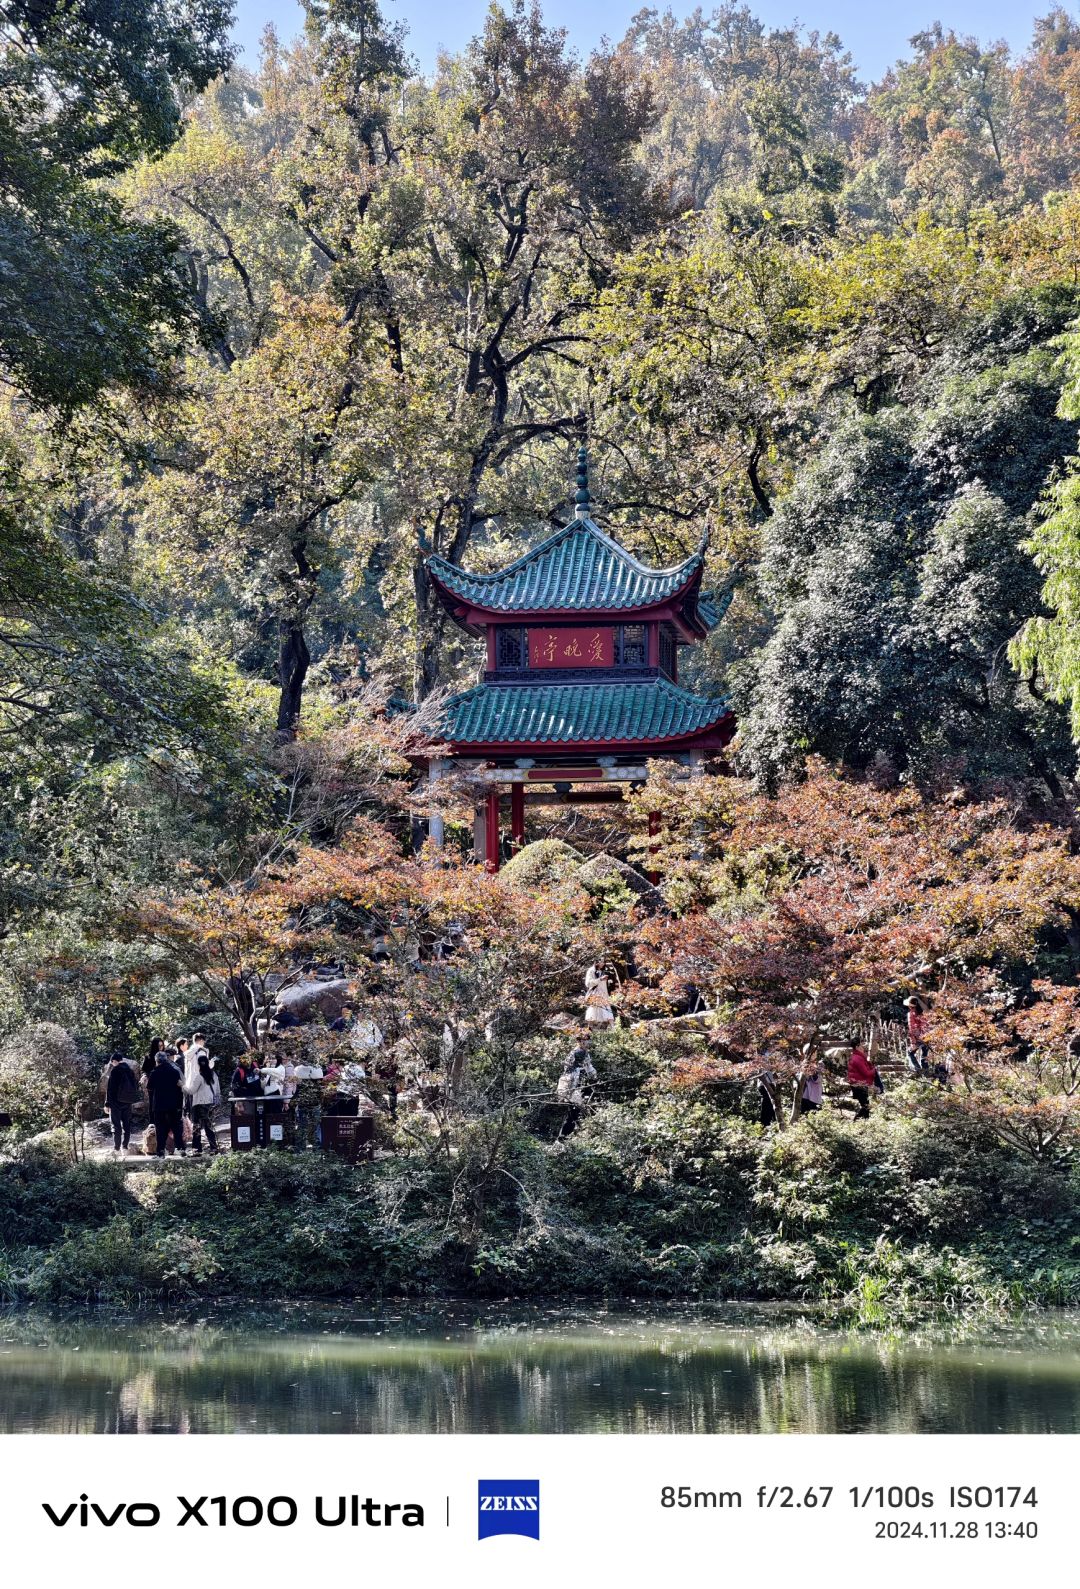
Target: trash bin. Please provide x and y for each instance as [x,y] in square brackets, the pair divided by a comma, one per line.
[244,1124]
[349,1135]
[277,1125]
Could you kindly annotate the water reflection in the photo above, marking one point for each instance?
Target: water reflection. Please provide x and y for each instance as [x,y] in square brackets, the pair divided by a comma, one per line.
[464,1370]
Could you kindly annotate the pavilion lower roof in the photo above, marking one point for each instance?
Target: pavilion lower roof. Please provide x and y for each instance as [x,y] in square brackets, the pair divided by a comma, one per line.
[632,713]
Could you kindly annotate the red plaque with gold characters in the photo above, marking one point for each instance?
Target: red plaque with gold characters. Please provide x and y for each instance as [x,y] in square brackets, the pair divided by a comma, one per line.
[571,648]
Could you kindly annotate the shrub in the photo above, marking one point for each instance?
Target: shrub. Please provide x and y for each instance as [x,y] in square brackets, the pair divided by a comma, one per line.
[44,1197]
[44,1080]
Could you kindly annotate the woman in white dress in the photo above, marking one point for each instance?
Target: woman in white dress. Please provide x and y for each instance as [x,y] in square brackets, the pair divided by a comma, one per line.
[598,1010]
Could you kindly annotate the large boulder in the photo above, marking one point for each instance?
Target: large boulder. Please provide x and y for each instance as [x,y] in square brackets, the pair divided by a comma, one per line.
[615,883]
[313,997]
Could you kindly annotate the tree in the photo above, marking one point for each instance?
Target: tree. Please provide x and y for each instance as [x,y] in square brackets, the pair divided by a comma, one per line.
[88,296]
[806,918]
[741,104]
[447,236]
[45,1081]
[1016,1060]
[1047,649]
[896,575]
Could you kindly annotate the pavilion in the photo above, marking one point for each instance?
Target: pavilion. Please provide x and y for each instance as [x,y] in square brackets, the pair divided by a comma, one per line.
[581,686]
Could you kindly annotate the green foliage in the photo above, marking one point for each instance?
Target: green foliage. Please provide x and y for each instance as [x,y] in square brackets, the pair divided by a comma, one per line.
[44,1080]
[89,296]
[264,356]
[895,571]
[46,1197]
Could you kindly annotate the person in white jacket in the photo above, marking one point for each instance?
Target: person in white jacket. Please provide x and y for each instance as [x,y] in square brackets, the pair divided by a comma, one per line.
[203,1091]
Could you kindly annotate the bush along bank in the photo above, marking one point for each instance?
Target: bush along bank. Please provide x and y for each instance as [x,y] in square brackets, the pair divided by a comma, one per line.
[892,1221]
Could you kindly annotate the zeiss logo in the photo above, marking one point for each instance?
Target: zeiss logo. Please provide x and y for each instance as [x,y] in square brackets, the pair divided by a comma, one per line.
[509,1506]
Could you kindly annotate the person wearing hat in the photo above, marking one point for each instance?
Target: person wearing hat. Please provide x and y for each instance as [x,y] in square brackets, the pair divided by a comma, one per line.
[918,1047]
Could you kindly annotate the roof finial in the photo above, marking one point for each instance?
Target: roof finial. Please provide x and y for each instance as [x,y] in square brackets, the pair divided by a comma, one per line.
[582,499]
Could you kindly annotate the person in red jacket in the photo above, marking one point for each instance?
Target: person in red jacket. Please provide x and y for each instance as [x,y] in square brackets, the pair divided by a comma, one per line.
[861,1075]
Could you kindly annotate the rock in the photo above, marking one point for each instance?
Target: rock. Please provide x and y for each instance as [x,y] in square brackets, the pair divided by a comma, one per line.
[606,877]
[313,997]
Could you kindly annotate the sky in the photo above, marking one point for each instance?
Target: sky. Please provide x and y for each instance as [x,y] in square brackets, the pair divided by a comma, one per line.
[876,33]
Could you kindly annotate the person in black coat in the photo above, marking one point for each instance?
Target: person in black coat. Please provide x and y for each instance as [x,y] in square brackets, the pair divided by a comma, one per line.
[156,1046]
[121,1095]
[166,1089]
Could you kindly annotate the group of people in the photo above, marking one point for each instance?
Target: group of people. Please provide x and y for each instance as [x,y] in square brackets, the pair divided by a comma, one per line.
[181,1082]
[311,1091]
[862,1073]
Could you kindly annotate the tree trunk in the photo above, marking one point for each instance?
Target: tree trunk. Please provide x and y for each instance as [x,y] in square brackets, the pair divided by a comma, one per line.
[294,659]
[429,629]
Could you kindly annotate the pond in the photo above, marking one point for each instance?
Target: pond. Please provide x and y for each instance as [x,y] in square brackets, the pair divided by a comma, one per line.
[473,1369]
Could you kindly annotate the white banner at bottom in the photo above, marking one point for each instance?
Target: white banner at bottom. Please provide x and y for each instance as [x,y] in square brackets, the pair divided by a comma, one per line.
[630,1510]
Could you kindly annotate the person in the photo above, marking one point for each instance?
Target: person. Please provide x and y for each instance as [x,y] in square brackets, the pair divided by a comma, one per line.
[166,1090]
[246,1078]
[918,1047]
[598,1010]
[811,1090]
[386,1069]
[345,1088]
[198,1043]
[344,1020]
[862,1075]
[121,1094]
[766,1086]
[290,1077]
[273,1081]
[306,1082]
[577,1069]
[203,1091]
[156,1045]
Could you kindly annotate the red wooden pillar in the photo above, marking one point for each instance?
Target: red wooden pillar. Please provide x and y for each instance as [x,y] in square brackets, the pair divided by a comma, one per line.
[491,861]
[654,832]
[517,816]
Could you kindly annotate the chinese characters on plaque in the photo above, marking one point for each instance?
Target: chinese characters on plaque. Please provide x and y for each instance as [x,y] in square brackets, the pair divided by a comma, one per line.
[571,648]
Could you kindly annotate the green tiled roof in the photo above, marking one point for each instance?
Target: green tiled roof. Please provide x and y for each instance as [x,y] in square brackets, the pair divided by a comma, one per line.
[712,605]
[570,714]
[578,569]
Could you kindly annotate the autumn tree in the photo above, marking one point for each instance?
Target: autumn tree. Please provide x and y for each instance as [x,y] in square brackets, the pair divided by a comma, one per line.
[1015,1054]
[741,104]
[805,919]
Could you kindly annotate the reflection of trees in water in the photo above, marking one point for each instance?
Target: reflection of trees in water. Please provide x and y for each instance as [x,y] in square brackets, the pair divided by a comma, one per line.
[610,1375]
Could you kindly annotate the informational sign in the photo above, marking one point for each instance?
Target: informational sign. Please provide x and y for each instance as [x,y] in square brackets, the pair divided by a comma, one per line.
[243,1133]
[571,648]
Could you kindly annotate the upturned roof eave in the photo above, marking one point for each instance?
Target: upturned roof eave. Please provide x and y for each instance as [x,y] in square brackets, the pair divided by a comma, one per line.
[475,618]
[463,593]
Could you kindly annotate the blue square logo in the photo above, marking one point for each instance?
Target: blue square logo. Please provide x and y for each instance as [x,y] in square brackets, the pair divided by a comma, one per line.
[509,1506]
